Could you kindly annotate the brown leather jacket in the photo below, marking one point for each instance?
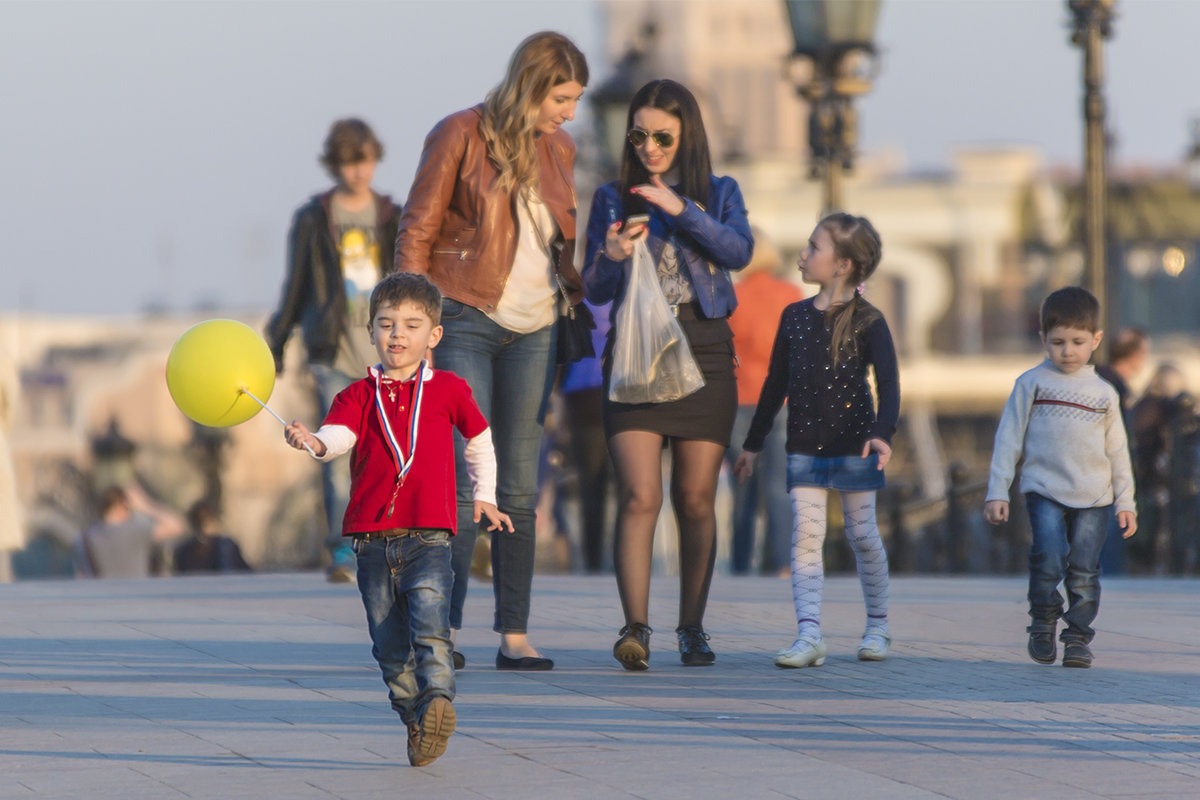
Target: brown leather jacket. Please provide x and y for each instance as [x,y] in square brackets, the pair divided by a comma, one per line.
[461,231]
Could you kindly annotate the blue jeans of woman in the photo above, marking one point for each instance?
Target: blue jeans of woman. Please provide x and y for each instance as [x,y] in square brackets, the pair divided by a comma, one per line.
[335,475]
[1066,547]
[405,586]
[510,375]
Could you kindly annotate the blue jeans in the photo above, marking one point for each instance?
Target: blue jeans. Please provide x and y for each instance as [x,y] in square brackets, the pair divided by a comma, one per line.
[335,475]
[765,488]
[510,375]
[1066,547]
[1112,555]
[405,586]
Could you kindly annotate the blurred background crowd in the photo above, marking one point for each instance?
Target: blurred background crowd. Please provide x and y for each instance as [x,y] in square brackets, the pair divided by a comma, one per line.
[156,228]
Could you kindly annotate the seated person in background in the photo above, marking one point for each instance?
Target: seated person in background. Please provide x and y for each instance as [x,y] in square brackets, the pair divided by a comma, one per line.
[121,542]
[207,549]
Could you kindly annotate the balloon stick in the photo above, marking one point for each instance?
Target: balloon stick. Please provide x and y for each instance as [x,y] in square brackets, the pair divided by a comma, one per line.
[248,393]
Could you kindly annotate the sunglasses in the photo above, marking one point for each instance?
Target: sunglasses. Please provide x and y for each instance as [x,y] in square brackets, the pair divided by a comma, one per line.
[637,137]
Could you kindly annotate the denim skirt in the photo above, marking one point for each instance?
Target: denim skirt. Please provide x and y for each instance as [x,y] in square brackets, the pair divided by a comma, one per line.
[844,473]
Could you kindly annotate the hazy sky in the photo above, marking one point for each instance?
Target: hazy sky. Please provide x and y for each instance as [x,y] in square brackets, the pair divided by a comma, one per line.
[151,153]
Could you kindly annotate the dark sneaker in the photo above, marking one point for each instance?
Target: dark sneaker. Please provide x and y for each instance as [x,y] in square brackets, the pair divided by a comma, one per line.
[1076,654]
[1042,647]
[427,738]
[460,661]
[633,648]
[693,646]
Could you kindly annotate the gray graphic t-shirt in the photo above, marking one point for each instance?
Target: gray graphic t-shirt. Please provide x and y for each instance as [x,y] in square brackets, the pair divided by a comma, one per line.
[354,233]
[673,278]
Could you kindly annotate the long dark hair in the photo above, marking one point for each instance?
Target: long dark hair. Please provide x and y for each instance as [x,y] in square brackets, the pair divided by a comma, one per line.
[692,159]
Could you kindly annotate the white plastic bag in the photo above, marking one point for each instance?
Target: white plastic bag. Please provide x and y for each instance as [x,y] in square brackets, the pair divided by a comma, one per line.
[652,362]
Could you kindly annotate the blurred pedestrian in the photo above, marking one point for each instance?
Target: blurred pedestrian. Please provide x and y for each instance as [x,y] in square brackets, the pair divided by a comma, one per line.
[121,543]
[1164,423]
[207,548]
[340,243]
[582,392]
[695,228]
[1063,423]
[762,295]
[1128,352]
[12,537]
[490,219]
[836,440]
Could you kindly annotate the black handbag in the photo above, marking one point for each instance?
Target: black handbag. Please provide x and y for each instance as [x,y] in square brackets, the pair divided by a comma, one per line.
[575,326]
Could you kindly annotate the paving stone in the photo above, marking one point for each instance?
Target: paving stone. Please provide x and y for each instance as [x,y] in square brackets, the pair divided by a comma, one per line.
[263,685]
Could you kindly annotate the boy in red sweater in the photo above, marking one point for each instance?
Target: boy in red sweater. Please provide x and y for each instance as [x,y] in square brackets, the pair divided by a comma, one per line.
[398,423]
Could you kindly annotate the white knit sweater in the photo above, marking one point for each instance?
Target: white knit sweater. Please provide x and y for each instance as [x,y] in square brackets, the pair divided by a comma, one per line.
[1069,430]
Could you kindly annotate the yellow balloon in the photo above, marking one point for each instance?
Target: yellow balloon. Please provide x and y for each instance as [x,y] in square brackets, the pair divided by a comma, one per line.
[213,365]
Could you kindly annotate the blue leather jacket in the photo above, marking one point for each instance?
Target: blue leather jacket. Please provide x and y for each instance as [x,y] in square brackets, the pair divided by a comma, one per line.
[711,243]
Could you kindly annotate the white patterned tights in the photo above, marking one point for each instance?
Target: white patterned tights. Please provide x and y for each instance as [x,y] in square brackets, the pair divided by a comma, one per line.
[808,564]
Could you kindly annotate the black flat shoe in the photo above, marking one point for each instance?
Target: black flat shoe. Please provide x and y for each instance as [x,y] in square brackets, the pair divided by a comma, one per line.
[529,663]
[693,646]
[460,661]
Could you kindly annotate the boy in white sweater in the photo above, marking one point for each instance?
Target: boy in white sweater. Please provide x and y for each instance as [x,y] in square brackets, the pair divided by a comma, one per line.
[1065,420]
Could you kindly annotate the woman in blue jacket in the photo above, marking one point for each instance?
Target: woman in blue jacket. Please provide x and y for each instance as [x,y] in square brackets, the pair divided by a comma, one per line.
[697,233]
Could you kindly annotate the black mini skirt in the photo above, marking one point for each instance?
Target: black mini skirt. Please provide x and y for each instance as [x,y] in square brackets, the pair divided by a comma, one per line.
[704,415]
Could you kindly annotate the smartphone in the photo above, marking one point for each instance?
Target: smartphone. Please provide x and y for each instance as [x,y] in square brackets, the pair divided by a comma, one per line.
[637,219]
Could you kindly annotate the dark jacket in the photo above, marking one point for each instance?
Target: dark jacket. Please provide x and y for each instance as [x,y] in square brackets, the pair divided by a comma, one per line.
[314,294]
[830,410]
[209,553]
[461,231]
[712,243]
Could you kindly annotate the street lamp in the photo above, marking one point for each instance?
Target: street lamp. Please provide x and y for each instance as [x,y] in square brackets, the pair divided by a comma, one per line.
[1093,24]
[610,100]
[1192,163]
[833,63]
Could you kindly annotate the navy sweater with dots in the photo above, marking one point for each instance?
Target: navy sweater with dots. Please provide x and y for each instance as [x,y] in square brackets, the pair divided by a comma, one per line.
[830,410]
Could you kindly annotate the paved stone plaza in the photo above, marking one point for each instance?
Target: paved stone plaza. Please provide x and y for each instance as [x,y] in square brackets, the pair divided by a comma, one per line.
[263,686]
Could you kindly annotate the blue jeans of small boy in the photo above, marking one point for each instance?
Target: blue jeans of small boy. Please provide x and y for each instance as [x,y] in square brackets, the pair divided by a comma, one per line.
[1066,547]
[405,585]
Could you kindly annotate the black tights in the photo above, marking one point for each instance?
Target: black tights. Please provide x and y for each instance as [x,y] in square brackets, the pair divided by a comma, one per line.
[696,465]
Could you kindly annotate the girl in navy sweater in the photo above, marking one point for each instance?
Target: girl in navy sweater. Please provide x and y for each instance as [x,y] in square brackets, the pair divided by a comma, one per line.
[836,439]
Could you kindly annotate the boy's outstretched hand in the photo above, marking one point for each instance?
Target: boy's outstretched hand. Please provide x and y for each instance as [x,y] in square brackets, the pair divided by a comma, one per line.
[1128,522]
[881,447]
[744,466]
[299,437]
[495,517]
[995,511]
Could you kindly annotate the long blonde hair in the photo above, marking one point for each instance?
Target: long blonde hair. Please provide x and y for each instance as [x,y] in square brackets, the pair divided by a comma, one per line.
[855,239]
[510,111]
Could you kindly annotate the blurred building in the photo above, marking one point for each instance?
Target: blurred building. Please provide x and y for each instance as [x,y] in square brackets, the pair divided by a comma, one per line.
[94,406]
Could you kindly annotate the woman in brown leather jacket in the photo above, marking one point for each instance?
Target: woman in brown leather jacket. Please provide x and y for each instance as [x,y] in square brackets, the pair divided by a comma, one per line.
[491,219]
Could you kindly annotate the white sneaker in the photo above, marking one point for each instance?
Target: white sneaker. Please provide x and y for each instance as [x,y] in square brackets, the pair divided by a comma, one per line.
[802,653]
[874,646]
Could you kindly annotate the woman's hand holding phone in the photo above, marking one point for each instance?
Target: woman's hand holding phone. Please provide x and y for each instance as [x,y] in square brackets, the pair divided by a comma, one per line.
[619,239]
[635,225]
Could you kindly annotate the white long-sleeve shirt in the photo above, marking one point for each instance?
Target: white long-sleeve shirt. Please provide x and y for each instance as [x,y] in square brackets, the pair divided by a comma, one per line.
[1069,430]
[480,456]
